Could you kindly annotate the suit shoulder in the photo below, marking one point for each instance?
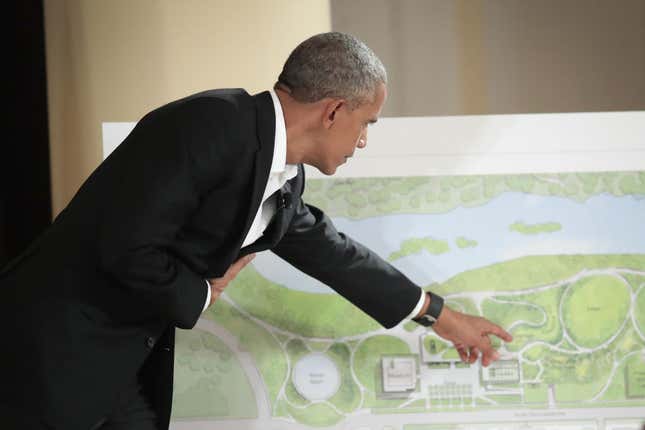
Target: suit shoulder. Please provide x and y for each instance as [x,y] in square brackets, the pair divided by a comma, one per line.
[222,103]
[233,98]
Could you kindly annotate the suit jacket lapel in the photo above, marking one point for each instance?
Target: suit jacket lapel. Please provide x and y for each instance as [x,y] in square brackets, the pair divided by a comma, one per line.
[285,201]
[265,129]
[282,217]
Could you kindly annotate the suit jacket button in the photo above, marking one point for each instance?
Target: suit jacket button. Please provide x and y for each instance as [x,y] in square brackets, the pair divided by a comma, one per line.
[150,342]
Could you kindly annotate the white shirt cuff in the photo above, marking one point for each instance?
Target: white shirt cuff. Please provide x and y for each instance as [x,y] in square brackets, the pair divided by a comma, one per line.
[418,307]
[208,296]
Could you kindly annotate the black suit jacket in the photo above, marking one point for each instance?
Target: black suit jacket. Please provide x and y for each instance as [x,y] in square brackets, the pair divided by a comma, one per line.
[94,301]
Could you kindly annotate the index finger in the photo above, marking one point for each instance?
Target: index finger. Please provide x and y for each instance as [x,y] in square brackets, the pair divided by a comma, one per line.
[499,332]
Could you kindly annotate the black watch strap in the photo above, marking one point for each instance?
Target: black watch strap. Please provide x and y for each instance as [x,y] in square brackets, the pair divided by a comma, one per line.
[432,313]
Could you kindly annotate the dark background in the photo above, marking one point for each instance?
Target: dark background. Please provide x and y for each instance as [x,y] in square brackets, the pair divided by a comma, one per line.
[25,197]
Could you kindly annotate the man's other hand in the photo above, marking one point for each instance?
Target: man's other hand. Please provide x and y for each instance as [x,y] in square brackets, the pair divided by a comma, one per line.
[470,335]
[218,284]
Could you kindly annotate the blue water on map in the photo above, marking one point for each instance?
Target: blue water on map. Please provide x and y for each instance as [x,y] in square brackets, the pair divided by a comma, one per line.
[602,224]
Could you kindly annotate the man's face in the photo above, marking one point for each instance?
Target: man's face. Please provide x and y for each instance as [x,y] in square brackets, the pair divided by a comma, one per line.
[348,130]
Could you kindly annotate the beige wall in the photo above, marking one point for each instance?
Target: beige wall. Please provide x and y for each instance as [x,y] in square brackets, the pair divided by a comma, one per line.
[115,60]
[456,57]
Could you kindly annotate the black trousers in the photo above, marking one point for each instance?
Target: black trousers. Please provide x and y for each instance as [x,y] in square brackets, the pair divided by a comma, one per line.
[132,411]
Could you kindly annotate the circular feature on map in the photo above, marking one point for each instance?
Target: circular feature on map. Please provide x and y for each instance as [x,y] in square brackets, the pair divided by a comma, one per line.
[594,309]
[316,377]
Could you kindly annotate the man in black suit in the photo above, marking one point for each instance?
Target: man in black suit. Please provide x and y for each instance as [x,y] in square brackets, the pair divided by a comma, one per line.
[168,219]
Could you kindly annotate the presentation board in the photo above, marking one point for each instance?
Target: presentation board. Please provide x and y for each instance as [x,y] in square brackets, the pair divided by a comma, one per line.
[532,221]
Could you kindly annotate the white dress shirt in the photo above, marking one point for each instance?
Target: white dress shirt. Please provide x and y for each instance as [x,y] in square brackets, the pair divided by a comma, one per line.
[280,173]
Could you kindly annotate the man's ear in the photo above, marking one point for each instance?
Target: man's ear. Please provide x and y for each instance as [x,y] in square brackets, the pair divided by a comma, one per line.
[331,110]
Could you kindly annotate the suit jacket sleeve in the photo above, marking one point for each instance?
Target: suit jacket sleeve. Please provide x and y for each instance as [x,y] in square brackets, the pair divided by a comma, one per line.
[152,184]
[313,245]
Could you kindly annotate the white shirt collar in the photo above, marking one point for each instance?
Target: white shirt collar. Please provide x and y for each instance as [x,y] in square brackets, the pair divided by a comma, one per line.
[279,162]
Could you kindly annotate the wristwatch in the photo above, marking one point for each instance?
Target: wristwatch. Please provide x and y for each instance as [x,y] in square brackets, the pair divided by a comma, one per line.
[432,313]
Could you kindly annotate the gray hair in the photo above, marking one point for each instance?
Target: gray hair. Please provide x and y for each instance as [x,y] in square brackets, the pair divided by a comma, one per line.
[334,65]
